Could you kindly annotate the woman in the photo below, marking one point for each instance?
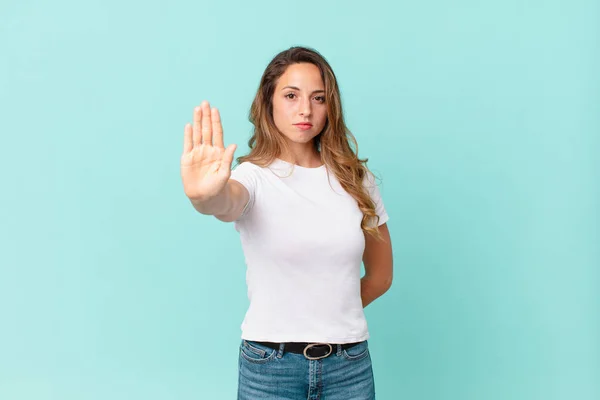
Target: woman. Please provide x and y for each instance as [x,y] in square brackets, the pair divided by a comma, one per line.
[308,212]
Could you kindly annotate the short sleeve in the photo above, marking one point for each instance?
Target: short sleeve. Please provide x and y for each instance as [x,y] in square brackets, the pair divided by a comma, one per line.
[373,190]
[245,173]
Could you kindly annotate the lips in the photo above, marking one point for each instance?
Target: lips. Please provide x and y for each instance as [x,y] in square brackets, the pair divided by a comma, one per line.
[303,126]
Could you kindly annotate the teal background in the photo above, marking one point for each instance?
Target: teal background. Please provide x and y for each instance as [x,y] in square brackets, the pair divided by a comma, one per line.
[481,118]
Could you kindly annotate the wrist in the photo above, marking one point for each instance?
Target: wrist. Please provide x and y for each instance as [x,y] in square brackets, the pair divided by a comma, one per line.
[212,204]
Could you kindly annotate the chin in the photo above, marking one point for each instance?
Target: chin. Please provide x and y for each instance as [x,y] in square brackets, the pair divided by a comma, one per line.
[302,137]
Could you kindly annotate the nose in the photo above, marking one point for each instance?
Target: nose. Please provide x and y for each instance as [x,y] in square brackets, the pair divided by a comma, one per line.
[305,107]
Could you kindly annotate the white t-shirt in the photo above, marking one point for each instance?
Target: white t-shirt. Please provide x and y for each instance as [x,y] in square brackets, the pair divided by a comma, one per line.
[303,247]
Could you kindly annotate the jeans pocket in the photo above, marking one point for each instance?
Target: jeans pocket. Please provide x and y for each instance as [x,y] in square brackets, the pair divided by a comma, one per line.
[256,353]
[357,352]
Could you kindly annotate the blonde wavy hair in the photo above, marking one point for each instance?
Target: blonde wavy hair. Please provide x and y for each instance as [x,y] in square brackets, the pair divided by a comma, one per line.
[337,145]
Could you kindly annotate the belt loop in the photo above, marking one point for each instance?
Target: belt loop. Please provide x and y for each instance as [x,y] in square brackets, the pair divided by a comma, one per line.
[280,351]
[339,349]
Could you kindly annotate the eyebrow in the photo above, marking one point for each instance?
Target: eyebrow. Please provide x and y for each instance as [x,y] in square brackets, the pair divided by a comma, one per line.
[295,88]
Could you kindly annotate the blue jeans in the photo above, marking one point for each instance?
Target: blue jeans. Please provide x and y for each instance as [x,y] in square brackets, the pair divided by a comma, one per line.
[269,374]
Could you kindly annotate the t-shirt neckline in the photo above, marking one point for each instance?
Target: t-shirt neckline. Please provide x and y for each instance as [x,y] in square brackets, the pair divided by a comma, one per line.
[287,163]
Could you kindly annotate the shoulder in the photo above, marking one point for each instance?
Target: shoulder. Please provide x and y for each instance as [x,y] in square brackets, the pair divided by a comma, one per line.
[246,166]
[248,174]
[369,179]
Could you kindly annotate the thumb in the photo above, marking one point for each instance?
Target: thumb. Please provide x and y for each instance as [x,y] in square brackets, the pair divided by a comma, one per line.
[228,157]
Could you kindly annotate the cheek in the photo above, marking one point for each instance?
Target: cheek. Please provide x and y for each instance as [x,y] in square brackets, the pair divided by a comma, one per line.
[276,111]
[281,110]
[281,116]
[322,115]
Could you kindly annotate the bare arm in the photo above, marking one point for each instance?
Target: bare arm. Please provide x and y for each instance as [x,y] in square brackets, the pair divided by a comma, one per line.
[226,206]
[378,261]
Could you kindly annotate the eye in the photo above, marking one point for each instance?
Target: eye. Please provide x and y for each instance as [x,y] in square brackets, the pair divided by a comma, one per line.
[289,94]
[320,99]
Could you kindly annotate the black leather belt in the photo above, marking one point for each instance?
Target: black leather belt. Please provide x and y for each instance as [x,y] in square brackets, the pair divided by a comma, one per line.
[313,351]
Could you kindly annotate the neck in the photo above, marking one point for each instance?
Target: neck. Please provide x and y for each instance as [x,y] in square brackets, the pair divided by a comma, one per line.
[305,156]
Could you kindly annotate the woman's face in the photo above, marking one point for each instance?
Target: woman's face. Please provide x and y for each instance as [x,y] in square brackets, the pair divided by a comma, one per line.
[300,98]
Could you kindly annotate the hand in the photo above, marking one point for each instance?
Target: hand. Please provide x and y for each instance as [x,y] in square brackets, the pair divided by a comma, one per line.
[205,163]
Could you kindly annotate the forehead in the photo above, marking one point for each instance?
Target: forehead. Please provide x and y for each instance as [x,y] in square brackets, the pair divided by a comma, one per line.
[305,76]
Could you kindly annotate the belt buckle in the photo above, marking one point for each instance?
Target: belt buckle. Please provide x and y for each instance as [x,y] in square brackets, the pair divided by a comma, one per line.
[317,344]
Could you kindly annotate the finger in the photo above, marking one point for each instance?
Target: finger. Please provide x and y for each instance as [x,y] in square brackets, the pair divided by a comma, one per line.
[188,143]
[228,158]
[206,124]
[217,128]
[197,134]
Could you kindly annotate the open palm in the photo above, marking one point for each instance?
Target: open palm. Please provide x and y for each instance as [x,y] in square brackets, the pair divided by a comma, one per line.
[205,162]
